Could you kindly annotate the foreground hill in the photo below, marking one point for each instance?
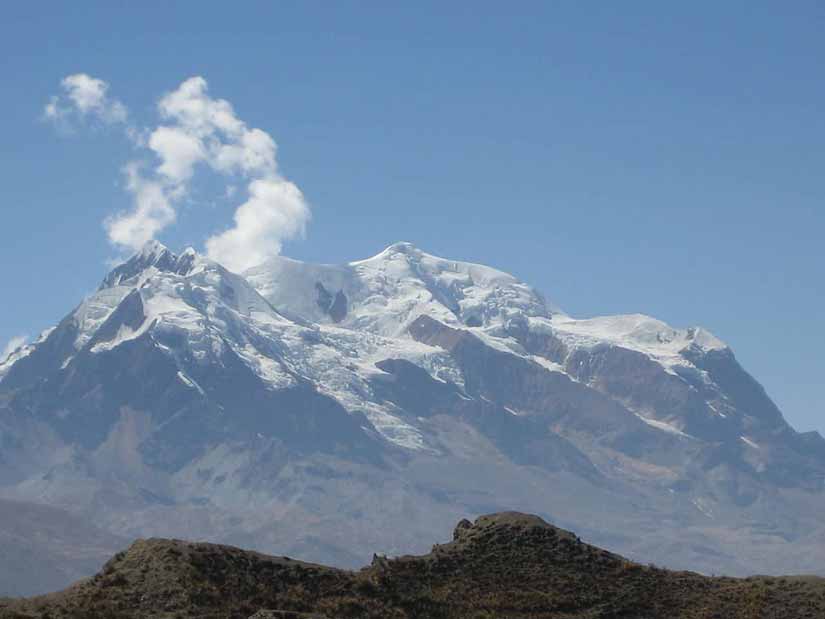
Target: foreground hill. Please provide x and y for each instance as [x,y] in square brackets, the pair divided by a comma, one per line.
[503,565]
[266,409]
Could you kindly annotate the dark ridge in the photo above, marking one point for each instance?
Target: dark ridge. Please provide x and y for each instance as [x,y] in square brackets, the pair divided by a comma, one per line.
[333,306]
[153,254]
[503,565]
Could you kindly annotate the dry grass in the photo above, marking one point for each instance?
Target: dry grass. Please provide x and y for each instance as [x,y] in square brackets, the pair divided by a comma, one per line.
[505,565]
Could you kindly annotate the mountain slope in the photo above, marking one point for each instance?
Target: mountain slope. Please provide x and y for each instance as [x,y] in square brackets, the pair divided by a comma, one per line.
[43,548]
[307,409]
[506,564]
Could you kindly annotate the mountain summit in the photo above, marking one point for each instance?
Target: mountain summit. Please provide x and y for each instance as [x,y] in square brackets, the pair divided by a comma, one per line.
[385,293]
[309,409]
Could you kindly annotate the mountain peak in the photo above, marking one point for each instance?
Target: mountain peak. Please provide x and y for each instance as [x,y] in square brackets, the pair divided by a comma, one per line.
[153,250]
[704,339]
[404,248]
[385,293]
[153,254]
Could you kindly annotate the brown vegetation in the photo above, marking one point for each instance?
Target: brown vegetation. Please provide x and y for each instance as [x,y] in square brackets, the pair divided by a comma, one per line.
[504,565]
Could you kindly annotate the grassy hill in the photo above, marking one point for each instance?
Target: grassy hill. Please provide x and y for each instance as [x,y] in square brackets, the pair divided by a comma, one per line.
[506,565]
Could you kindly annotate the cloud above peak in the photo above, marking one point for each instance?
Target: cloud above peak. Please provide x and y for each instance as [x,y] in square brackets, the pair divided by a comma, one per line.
[152,211]
[195,131]
[202,129]
[275,210]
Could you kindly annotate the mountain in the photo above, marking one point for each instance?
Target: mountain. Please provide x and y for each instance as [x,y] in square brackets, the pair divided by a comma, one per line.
[308,409]
[506,564]
[43,548]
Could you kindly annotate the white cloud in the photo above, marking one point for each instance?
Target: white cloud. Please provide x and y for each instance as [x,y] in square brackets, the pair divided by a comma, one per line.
[201,130]
[253,153]
[53,111]
[151,213]
[191,108]
[212,133]
[276,210]
[179,152]
[13,344]
[195,130]
[84,97]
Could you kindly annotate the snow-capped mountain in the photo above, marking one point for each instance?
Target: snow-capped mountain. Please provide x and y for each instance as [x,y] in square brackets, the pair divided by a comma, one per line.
[307,409]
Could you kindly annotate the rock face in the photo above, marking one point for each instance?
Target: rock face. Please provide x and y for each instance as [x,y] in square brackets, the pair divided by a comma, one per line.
[507,564]
[308,409]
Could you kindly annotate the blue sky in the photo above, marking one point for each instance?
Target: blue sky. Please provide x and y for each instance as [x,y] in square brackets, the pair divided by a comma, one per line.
[621,157]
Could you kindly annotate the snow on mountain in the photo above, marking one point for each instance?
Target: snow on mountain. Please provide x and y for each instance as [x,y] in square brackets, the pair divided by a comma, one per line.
[330,324]
[386,293]
[23,351]
[681,382]
[191,308]
[187,296]
[14,356]
[638,332]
